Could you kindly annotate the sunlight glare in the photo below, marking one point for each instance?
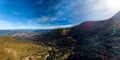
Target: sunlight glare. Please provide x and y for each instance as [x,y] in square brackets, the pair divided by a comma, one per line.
[115,4]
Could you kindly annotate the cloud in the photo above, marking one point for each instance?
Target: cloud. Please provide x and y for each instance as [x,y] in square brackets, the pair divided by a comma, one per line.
[45,18]
[46,7]
[18,25]
[7,25]
[55,27]
[51,13]
[4,23]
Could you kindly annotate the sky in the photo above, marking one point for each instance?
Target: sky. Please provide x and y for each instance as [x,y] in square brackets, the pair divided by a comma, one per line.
[49,14]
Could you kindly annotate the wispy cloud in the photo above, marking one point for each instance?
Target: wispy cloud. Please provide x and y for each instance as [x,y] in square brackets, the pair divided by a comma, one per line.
[55,27]
[10,25]
[5,24]
[45,18]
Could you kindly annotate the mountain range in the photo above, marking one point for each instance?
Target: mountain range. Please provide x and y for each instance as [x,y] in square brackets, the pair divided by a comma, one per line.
[26,34]
[90,40]
[19,31]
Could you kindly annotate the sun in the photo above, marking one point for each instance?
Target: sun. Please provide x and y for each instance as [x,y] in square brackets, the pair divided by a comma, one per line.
[113,4]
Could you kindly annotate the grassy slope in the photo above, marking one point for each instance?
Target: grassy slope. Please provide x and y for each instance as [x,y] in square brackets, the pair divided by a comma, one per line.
[17,49]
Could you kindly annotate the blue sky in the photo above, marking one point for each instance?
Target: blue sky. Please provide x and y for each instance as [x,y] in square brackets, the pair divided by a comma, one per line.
[47,14]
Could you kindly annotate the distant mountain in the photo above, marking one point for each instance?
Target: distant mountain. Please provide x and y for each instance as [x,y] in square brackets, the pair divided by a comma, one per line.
[34,36]
[91,40]
[19,31]
[27,34]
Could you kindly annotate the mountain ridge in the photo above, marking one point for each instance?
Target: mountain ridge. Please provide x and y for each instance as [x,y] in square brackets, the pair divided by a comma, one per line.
[92,40]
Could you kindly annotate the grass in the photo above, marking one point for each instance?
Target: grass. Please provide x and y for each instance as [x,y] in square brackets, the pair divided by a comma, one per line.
[16,49]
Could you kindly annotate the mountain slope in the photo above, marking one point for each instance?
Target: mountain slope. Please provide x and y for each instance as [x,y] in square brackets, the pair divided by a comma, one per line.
[91,40]
[16,49]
